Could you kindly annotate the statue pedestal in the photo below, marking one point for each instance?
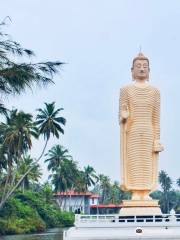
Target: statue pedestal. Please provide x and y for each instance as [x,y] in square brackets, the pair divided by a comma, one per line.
[140,207]
[118,227]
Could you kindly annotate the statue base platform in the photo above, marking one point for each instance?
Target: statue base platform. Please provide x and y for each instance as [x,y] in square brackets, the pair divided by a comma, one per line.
[118,227]
[140,207]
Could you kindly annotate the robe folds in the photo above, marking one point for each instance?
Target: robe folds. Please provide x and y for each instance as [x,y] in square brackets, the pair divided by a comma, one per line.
[138,134]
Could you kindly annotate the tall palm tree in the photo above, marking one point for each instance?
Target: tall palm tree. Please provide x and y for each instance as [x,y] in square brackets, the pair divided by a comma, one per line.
[16,138]
[64,178]
[90,177]
[55,156]
[165,181]
[18,132]
[166,185]
[49,121]
[104,187]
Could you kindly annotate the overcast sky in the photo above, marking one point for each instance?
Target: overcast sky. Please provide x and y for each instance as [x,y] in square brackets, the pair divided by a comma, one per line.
[98,40]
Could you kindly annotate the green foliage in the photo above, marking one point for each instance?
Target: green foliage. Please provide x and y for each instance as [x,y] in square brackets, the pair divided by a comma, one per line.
[19,128]
[20,218]
[156,195]
[46,192]
[103,188]
[49,122]
[15,207]
[3,226]
[16,225]
[55,156]
[169,200]
[66,219]
[65,176]
[116,195]
[166,185]
[15,74]
[29,212]
[18,73]
[89,177]
[24,164]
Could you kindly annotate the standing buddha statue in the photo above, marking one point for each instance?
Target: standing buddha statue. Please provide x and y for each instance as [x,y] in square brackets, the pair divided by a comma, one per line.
[139,118]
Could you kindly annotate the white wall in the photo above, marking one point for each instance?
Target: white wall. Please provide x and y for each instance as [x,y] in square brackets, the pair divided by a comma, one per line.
[72,203]
[94,201]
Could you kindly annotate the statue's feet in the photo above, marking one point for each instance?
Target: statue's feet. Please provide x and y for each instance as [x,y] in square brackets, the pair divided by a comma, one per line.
[136,195]
[140,195]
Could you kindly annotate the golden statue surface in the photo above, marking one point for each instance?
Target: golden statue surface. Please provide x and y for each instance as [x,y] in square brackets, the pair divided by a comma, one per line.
[139,118]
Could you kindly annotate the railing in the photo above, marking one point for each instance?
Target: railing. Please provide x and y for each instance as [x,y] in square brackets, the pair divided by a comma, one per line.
[118,220]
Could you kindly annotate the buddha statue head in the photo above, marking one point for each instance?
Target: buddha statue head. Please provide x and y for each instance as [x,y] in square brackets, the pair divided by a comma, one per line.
[140,68]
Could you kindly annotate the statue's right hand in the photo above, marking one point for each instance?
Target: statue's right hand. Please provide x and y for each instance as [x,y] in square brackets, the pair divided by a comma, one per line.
[158,147]
[124,112]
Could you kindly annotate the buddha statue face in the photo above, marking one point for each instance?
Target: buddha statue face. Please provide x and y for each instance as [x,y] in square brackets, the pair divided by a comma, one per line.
[140,69]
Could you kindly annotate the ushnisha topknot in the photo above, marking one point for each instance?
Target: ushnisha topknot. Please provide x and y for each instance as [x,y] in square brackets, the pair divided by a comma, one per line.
[140,56]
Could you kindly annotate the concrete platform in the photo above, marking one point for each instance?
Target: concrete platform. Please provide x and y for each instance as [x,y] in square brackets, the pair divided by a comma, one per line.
[123,233]
[117,227]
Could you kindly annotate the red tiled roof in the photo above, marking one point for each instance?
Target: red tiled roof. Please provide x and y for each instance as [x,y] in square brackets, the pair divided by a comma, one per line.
[94,196]
[73,193]
[106,206]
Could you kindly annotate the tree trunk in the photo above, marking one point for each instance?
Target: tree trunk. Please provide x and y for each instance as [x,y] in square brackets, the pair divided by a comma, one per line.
[8,194]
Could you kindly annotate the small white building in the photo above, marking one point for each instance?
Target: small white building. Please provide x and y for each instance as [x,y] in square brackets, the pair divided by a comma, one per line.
[77,202]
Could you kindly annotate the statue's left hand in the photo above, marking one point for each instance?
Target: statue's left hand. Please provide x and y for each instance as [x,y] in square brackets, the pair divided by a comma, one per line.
[158,147]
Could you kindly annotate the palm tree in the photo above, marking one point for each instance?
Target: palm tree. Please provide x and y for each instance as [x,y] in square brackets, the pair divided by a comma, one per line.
[48,122]
[80,185]
[59,180]
[178,182]
[18,133]
[104,187]
[16,140]
[115,193]
[166,185]
[90,177]
[3,110]
[16,75]
[23,165]
[55,155]
[165,181]
[64,178]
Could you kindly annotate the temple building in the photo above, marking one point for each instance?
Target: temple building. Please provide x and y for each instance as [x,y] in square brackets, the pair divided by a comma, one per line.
[77,202]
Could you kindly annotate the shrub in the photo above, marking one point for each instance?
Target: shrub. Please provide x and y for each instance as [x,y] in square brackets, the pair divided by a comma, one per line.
[28,212]
[66,219]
